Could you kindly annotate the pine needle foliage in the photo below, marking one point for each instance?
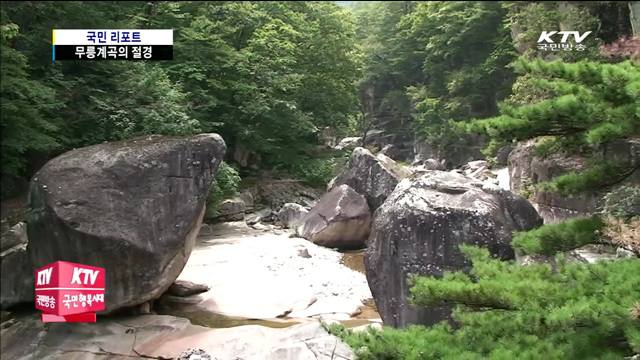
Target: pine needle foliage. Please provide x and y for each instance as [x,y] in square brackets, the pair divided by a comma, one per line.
[509,311]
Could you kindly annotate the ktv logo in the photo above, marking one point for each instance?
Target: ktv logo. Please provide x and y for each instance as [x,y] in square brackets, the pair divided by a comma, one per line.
[68,292]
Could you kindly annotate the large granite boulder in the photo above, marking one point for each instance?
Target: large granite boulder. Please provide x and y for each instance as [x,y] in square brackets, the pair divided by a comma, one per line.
[133,208]
[419,228]
[341,219]
[291,214]
[373,177]
[231,210]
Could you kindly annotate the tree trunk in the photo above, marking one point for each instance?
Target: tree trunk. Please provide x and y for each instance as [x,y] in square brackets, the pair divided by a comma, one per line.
[634,12]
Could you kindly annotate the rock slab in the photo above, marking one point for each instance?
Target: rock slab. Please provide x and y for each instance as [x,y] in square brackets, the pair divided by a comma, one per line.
[167,337]
[133,208]
[419,228]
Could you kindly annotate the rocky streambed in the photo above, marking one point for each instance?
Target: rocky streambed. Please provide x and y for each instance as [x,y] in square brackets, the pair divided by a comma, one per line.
[268,294]
[264,278]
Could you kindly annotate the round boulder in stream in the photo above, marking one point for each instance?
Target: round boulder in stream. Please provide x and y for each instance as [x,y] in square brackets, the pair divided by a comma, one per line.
[133,208]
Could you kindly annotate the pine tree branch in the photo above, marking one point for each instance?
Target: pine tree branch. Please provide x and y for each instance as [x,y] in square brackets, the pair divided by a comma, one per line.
[623,176]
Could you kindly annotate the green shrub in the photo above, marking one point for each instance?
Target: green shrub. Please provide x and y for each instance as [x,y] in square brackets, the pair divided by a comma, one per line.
[508,311]
[225,185]
[622,203]
[564,236]
[317,172]
[527,190]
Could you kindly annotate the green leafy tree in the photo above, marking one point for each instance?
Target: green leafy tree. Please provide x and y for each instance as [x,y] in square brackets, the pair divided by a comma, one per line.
[226,185]
[26,106]
[265,75]
[437,62]
[466,49]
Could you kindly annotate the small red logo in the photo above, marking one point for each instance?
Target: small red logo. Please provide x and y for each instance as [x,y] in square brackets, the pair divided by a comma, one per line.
[68,292]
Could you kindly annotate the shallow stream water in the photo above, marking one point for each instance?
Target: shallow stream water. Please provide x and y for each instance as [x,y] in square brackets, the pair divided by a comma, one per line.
[351,259]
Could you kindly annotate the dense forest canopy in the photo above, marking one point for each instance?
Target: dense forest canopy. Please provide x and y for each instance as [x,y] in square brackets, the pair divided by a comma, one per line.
[267,76]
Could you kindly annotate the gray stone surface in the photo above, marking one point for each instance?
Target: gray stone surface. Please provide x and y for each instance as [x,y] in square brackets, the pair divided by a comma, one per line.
[166,337]
[341,219]
[349,143]
[17,276]
[16,236]
[194,354]
[205,230]
[231,210]
[274,193]
[526,171]
[502,158]
[186,288]
[370,176]
[433,164]
[247,197]
[133,208]
[420,227]
[291,214]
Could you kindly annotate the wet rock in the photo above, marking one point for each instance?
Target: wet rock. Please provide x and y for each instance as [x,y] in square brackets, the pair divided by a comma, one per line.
[16,236]
[231,210]
[254,218]
[433,164]
[145,309]
[519,161]
[277,192]
[290,214]
[267,215]
[475,165]
[370,176]
[205,230]
[184,288]
[16,274]
[326,306]
[259,226]
[304,253]
[423,151]
[247,198]
[194,354]
[420,227]
[386,150]
[348,143]
[502,158]
[341,219]
[133,208]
